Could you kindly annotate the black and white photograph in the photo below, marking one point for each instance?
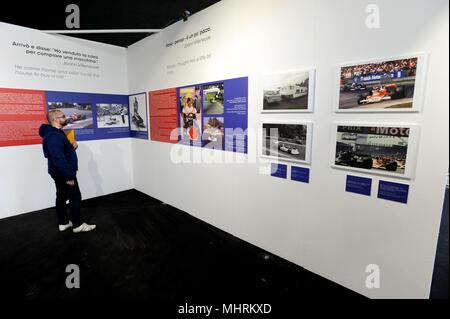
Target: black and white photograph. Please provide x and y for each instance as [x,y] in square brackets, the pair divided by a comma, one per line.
[112,115]
[213,95]
[78,115]
[385,85]
[286,141]
[288,92]
[381,149]
[138,112]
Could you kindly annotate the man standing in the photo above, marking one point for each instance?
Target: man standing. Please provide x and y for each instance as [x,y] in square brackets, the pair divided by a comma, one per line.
[62,167]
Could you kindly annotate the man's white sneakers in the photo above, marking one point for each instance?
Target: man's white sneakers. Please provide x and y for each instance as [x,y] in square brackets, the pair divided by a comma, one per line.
[84,228]
[65,227]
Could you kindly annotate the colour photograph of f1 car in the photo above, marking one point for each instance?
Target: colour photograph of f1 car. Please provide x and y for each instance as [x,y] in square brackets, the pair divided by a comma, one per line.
[385,85]
[78,115]
[382,93]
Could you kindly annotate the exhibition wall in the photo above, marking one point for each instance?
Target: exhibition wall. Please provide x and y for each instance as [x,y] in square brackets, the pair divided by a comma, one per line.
[41,69]
[317,223]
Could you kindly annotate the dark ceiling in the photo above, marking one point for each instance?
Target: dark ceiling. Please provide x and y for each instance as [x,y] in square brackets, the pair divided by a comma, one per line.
[101,14]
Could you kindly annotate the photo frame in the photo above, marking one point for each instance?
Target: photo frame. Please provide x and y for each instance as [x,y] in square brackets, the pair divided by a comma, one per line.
[380,149]
[286,141]
[289,91]
[394,84]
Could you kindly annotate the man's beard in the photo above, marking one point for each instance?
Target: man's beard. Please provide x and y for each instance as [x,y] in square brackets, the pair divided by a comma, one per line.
[64,123]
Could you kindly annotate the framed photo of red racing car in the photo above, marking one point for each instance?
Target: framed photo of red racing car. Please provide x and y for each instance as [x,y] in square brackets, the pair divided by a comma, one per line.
[388,149]
[381,85]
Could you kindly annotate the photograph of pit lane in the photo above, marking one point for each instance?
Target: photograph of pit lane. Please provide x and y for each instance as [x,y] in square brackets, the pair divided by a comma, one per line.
[286,91]
[213,98]
[112,115]
[79,115]
[377,148]
[285,141]
[190,113]
[213,132]
[138,112]
[377,86]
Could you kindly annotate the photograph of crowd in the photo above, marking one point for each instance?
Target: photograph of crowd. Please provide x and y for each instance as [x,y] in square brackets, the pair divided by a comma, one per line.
[386,85]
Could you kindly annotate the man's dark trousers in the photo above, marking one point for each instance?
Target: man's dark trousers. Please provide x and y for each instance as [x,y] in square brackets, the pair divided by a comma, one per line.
[66,192]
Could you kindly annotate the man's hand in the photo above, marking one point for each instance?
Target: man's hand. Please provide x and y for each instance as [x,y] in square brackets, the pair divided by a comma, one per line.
[75,145]
[71,183]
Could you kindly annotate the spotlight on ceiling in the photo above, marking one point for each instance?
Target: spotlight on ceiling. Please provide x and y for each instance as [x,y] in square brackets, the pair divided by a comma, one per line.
[186,15]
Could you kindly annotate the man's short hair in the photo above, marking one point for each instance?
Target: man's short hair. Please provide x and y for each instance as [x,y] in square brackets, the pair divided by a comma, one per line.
[52,114]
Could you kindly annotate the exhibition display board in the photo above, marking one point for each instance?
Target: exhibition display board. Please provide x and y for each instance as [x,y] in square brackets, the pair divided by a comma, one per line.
[322,147]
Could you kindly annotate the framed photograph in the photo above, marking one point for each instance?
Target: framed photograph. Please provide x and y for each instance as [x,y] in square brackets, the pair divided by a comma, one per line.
[112,115]
[288,91]
[79,115]
[383,85]
[378,149]
[138,112]
[286,141]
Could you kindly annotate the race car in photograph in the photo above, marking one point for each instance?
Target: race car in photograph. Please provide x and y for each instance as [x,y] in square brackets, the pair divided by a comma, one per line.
[76,117]
[354,160]
[382,93]
[354,86]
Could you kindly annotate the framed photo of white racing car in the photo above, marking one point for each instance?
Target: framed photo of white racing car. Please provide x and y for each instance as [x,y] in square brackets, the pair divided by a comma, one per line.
[382,85]
[378,149]
[291,91]
[286,141]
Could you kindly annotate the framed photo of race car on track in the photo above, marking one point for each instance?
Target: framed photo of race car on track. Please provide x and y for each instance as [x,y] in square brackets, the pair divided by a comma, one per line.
[286,140]
[388,149]
[382,85]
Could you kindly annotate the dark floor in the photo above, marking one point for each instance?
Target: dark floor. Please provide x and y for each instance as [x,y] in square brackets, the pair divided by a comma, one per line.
[145,249]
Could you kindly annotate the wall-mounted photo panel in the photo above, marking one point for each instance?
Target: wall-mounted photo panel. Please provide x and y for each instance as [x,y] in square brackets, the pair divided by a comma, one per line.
[374,148]
[382,85]
[79,115]
[112,115]
[286,141]
[138,115]
[288,91]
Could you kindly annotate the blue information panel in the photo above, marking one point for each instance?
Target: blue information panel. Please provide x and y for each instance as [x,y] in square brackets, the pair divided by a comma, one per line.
[359,185]
[92,116]
[214,115]
[279,170]
[300,174]
[393,191]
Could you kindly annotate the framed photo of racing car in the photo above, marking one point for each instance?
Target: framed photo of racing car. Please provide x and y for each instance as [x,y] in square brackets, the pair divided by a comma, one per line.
[286,141]
[288,92]
[382,85]
[388,149]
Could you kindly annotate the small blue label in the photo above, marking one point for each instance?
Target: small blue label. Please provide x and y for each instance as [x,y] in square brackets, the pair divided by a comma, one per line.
[300,174]
[279,170]
[393,191]
[359,185]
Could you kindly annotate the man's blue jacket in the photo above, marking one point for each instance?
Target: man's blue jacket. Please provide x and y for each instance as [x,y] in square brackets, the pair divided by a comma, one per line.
[61,155]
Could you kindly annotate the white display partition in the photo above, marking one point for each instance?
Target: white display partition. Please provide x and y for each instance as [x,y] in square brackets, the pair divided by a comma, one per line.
[105,166]
[319,225]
